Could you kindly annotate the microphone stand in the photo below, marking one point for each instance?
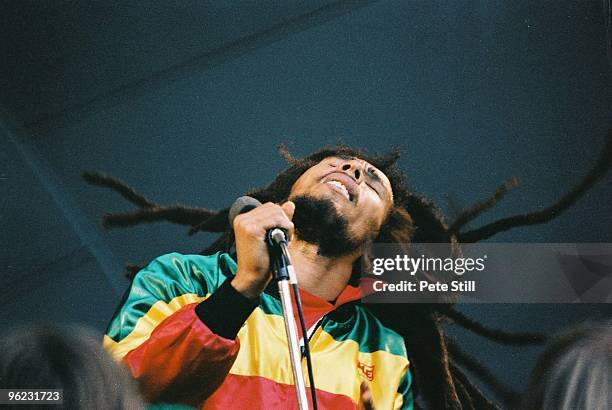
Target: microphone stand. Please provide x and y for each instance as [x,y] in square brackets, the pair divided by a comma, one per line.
[285,276]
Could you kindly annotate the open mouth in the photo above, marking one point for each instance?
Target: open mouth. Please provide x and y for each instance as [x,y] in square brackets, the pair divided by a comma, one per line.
[343,185]
[339,187]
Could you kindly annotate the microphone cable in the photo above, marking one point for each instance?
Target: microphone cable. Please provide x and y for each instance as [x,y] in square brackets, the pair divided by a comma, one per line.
[306,338]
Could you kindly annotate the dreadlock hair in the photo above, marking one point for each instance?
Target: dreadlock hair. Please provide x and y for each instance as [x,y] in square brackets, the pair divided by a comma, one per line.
[437,364]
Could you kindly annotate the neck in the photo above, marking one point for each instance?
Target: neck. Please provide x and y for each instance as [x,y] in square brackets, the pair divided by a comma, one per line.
[318,275]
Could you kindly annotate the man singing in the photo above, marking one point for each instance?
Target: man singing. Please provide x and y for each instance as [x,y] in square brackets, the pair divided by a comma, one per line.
[208,330]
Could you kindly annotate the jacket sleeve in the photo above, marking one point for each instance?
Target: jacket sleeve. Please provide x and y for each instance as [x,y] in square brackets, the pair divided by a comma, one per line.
[168,329]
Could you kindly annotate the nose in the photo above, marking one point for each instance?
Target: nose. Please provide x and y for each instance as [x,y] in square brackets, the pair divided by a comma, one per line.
[353,167]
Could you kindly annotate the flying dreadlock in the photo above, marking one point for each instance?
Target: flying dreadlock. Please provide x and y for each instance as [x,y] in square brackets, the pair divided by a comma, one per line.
[438,364]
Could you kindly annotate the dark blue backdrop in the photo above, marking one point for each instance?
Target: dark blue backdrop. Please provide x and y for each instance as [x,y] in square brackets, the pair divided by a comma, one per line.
[187,102]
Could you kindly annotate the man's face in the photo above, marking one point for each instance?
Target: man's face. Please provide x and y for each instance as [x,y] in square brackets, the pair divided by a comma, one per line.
[359,192]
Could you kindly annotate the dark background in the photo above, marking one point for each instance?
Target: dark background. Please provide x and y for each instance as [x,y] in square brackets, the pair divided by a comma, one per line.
[187,100]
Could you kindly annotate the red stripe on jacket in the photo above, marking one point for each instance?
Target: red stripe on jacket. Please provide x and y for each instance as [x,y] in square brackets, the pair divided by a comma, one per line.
[182,361]
[253,392]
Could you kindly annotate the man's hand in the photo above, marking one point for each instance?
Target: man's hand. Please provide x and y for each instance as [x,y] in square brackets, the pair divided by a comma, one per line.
[365,399]
[253,272]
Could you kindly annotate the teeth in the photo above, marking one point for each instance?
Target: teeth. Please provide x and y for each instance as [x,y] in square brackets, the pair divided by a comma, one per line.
[342,188]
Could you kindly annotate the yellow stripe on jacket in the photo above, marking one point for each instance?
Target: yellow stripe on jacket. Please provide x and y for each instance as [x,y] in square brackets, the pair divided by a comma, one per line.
[335,363]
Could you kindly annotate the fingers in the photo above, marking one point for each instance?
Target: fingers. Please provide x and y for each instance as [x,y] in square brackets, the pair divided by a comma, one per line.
[366,396]
[267,216]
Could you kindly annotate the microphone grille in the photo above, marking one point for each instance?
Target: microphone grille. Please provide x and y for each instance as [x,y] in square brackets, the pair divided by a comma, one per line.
[242,205]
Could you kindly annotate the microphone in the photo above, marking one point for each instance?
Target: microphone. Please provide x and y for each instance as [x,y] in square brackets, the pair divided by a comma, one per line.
[274,236]
[282,267]
[242,205]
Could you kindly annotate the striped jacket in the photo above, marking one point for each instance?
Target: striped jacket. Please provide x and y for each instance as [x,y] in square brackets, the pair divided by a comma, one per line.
[162,332]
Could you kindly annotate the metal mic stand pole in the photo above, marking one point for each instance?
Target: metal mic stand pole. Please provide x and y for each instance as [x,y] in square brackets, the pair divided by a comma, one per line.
[285,276]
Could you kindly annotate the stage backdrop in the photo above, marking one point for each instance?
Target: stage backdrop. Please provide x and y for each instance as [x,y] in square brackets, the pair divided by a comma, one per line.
[187,102]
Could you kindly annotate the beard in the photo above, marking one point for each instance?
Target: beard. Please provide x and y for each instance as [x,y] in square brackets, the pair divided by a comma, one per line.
[317,222]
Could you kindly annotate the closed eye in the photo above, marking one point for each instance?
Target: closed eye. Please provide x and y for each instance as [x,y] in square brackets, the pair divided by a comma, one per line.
[377,185]
[373,174]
